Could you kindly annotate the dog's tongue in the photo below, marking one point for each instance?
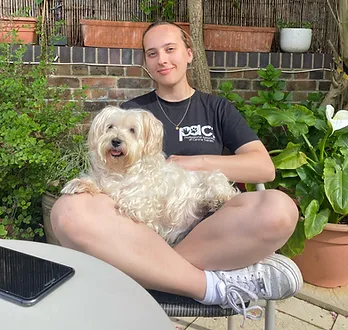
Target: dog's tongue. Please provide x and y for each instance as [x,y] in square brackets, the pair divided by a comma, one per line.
[115,152]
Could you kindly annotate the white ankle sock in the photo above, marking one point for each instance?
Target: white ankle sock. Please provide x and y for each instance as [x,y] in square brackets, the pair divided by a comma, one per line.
[212,296]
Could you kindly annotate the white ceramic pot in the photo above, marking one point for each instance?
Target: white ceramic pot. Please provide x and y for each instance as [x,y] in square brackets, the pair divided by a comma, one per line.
[295,40]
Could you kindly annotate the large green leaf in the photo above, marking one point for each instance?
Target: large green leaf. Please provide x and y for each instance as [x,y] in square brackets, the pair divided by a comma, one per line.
[289,174]
[257,100]
[3,231]
[321,125]
[336,183]
[288,183]
[315,220]
[297,118]
[344,152]
[290,158]
[305,194]
[278,96]
[309,176]
[342,141]
[296,242]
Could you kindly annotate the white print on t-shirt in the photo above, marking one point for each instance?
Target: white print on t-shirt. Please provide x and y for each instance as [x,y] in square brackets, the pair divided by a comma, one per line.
[197,133]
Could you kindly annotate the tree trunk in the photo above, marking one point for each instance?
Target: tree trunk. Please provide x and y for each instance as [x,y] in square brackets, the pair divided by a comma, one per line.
[337,95]
[201,75]
[343,15]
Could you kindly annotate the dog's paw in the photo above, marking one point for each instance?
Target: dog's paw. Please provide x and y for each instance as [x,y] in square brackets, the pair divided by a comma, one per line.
[214,204]
[218,195]
[79,186]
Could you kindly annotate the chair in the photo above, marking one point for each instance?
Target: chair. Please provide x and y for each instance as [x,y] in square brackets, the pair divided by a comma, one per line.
[179,306]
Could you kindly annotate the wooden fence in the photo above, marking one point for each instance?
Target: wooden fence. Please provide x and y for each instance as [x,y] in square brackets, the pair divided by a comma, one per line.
[250,13]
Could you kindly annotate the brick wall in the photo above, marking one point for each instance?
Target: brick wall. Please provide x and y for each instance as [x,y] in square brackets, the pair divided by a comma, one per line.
[114,75]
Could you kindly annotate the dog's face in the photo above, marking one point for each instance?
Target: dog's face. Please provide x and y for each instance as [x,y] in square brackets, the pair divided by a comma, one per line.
[118,138]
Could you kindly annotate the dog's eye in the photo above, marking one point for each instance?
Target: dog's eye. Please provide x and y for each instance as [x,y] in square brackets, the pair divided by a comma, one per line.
[132,130]
[109,127]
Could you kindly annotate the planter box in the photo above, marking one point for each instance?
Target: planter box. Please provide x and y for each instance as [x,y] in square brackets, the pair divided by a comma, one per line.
[111,34]
[114,34]
[25,27]
[238,38]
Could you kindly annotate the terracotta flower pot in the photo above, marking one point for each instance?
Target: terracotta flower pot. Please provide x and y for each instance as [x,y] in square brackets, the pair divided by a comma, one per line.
[324,261]
[24,26]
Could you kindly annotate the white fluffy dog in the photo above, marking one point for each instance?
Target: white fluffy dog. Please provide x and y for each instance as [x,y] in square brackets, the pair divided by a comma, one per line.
[128,164]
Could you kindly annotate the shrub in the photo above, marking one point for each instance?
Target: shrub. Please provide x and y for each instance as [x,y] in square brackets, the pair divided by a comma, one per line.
[35,123]
[309,152]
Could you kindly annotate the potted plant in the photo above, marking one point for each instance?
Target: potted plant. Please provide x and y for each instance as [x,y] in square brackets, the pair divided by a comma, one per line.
[308,145]
[314,169]
[295,37]
[73,159]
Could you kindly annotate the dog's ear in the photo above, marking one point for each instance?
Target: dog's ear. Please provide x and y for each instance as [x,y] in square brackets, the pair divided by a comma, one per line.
[93,132]
[97,127]
[153,133]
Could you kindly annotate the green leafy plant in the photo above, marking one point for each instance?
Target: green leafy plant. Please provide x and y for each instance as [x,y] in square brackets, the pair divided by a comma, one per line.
[73,160]
[281,24]
[36,121]
[158,10]
[313,168]
[272,94]
[310,154]
[236,3]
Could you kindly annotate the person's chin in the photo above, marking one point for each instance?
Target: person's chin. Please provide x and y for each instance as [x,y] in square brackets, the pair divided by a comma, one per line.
[167,81]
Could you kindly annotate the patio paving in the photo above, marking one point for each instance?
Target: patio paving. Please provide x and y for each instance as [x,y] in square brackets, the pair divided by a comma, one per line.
[313,308]
[331,299]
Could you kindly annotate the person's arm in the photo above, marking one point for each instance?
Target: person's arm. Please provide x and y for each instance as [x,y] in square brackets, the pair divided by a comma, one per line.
[250,164]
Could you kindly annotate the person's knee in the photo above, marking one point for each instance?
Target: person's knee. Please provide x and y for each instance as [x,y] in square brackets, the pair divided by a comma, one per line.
[279,214]
[66,226]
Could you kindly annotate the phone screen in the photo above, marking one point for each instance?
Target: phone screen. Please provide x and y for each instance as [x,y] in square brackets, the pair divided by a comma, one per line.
[26,279]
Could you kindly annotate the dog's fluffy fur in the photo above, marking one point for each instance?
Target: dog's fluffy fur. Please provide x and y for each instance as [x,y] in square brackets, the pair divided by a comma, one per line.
[128,164]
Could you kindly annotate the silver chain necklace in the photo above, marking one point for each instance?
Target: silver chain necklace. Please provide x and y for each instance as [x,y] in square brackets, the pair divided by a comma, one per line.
[183,117]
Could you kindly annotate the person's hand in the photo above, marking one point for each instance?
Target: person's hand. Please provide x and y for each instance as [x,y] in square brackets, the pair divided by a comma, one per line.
[192,163]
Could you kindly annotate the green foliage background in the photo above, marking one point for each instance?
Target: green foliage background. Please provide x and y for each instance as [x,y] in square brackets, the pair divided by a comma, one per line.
[36,124]
[311,159]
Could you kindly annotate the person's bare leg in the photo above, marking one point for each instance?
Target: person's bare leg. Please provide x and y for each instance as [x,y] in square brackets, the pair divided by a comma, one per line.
[91,224]
[248,228]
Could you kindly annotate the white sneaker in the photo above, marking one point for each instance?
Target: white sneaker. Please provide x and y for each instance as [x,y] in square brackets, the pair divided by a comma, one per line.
[274,278]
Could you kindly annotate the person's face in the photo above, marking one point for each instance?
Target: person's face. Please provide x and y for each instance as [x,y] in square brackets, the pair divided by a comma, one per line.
[166,55]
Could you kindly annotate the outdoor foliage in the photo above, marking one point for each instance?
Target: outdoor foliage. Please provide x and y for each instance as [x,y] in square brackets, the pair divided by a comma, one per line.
[36,124]
[73,160]
[309,151]
[158,10]
[281,24]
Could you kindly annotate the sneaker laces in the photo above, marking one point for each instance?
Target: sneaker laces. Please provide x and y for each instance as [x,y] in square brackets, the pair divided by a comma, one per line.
[238,291]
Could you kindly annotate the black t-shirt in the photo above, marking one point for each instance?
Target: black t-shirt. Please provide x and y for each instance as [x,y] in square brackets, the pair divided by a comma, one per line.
[211,123]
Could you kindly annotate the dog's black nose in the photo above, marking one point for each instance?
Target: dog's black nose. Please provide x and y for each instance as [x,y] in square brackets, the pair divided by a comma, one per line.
[116,142]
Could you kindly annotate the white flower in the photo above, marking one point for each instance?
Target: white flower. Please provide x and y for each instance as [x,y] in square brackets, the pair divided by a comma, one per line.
[340,120]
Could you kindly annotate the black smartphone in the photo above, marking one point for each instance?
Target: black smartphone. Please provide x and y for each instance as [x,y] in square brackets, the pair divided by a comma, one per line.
[26,279]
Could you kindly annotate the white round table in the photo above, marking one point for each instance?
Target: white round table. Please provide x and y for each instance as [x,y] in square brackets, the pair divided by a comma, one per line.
[98,296]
